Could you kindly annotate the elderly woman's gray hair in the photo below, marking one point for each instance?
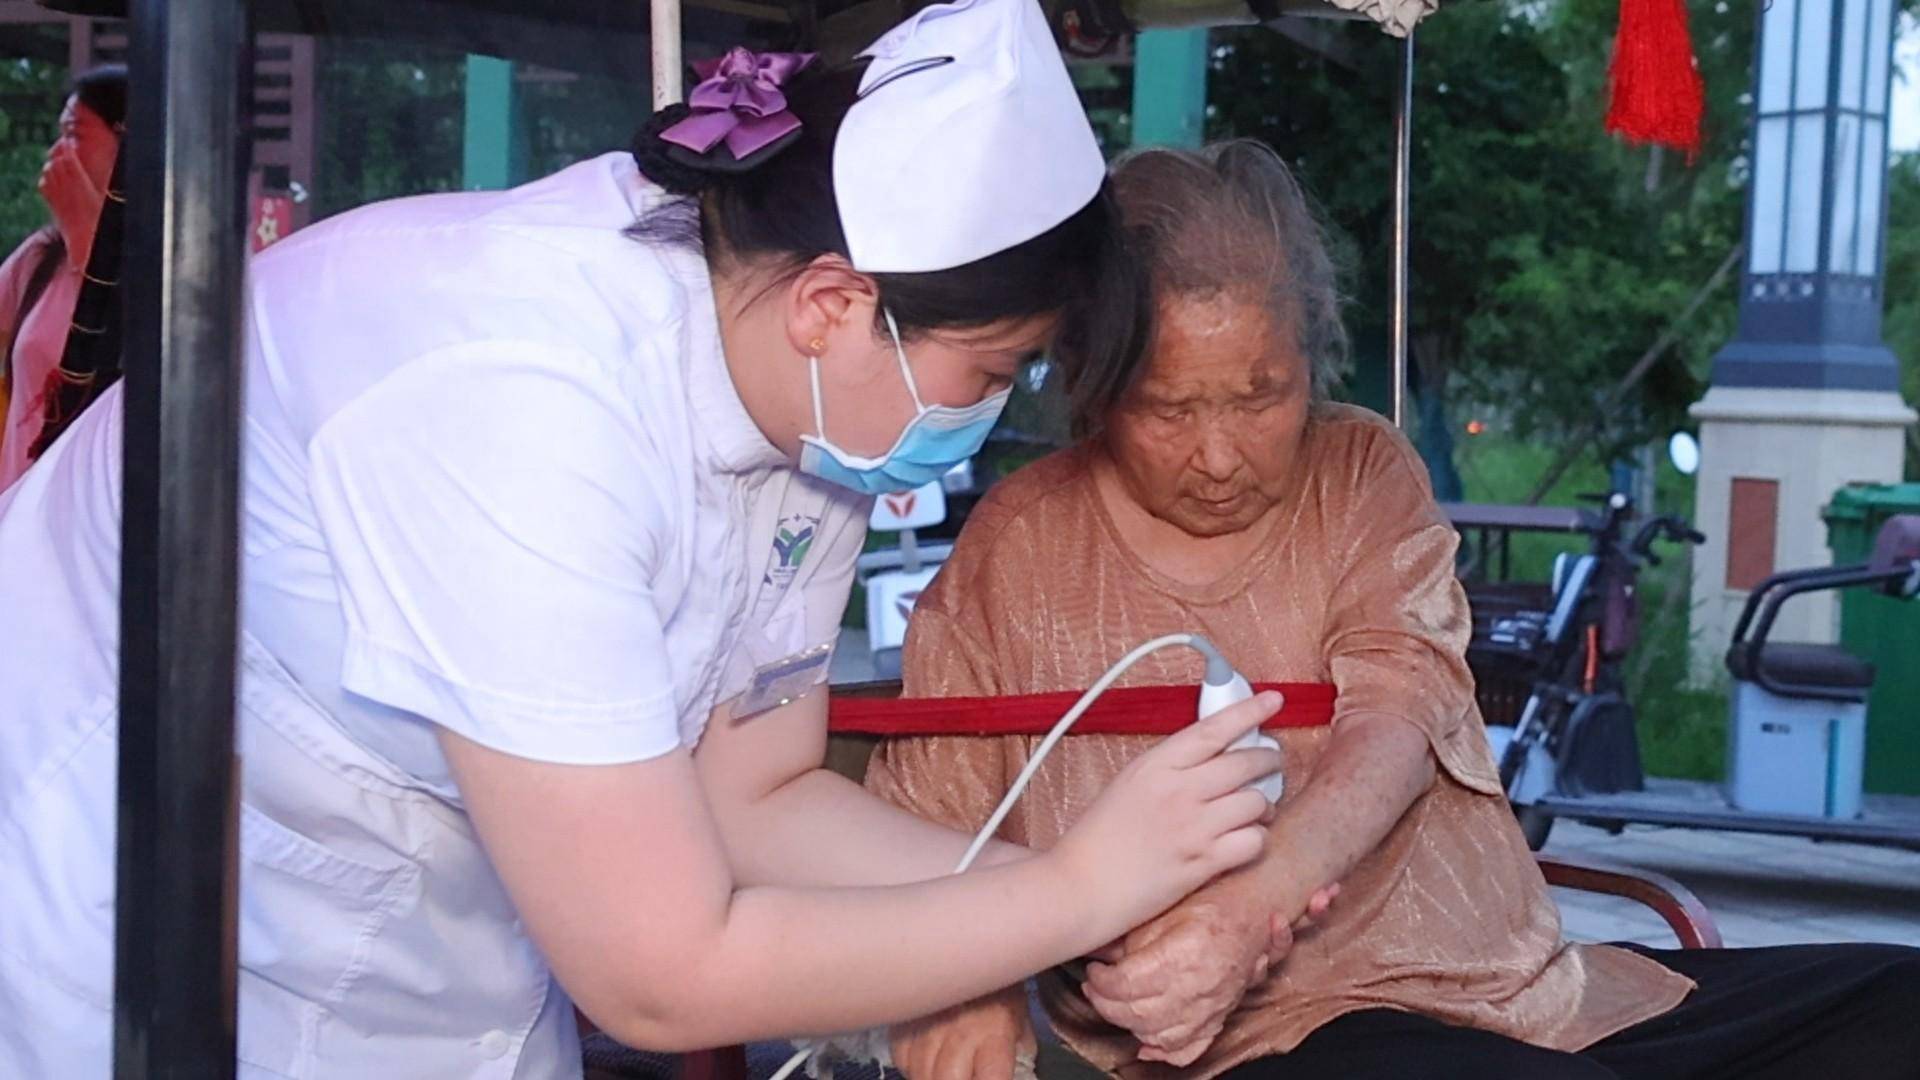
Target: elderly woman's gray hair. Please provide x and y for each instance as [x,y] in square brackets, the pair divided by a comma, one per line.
[1227,219]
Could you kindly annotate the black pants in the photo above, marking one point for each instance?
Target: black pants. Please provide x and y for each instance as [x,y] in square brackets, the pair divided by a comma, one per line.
[1804,1012]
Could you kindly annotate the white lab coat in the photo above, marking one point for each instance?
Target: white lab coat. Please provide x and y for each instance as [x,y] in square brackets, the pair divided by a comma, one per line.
[497,480]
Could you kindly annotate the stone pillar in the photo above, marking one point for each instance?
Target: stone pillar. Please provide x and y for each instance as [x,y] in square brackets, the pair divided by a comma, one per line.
[1771,458]
[1805,398]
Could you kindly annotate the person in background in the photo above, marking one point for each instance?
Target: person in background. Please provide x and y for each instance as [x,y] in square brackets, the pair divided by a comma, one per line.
[40,281]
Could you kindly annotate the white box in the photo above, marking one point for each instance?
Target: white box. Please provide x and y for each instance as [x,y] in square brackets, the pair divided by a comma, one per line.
[1795,755]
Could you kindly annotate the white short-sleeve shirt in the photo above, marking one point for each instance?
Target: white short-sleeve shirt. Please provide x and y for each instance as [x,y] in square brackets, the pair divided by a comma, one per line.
[516,493]
[497,479]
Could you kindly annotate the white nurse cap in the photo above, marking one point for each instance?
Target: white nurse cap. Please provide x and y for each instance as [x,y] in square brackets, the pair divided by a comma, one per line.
[967,140]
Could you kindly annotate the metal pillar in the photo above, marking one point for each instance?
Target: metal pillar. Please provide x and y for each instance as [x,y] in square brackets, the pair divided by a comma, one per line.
[664,26]
[1402,229]
[174,955]
[1170,88]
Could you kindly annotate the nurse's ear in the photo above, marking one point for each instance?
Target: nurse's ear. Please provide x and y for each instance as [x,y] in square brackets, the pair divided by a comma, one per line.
[831,308]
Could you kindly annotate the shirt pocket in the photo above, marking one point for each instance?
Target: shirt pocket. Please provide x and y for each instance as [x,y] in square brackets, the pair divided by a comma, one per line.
[310,919]
[58,821]
[785,632]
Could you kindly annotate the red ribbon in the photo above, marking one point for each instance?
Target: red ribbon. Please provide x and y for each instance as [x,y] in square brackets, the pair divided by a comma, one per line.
[1138,710]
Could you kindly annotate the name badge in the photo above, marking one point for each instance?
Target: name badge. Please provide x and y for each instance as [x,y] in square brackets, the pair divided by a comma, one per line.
[784,681]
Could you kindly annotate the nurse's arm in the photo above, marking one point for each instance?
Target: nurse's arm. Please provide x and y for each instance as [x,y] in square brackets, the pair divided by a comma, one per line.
[764,778]
[622,879]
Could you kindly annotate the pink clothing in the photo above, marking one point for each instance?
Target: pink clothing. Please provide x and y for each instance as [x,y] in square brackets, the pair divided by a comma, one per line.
[38,343]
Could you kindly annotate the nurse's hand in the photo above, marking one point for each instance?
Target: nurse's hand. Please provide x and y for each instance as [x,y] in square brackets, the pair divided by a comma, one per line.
[988,1039]
[1176,817]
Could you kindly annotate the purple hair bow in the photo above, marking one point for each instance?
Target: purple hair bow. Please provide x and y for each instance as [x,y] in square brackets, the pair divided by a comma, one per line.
[739,100]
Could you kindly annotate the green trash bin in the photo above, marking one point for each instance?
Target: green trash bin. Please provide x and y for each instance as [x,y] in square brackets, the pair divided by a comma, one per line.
[1883,630]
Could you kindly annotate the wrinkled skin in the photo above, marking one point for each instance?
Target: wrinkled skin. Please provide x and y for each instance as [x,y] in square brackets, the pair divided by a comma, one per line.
[1205,442]
[1174,981]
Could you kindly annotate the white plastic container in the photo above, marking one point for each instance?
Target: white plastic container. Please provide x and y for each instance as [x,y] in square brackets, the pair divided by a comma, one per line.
[1795,755]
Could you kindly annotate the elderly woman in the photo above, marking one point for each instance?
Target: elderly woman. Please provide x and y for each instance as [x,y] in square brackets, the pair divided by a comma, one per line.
[1219,491]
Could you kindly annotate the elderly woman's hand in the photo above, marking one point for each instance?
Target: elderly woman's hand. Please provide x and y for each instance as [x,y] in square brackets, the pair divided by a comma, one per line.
[987,1039]
[1174,981]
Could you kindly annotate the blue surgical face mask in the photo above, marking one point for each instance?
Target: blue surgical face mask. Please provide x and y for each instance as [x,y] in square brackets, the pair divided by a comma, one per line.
[933,442]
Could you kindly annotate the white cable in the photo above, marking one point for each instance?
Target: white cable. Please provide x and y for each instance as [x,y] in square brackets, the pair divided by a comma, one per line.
[1059,731]
[1019,786]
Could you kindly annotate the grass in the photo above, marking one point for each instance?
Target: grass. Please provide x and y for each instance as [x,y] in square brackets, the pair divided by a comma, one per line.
[1683,728]
[1495,469]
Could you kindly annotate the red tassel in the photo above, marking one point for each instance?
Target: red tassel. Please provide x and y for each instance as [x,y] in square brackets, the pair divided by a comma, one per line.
[1657,92]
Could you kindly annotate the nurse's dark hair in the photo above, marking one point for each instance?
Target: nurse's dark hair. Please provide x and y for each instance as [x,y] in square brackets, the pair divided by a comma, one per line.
[783,211]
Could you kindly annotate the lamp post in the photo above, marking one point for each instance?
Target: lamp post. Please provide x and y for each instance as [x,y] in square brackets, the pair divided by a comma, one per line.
[1805,398]
[1810,311]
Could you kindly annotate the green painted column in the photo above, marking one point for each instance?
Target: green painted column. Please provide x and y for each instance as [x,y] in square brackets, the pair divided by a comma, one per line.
[493,153]
[1170,88]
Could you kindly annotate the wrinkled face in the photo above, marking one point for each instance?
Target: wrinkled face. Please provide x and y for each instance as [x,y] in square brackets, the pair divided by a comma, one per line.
[1206,440]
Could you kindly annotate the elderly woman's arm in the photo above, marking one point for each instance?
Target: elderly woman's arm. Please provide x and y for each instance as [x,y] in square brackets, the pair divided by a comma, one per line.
[1180,976]
[1373,770]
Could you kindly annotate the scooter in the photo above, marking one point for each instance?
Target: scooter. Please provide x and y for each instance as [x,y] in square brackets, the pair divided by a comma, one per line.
[1575,735]
[1797,712]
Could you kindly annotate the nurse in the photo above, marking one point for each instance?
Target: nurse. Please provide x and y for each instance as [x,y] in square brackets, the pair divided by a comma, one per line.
[552,499]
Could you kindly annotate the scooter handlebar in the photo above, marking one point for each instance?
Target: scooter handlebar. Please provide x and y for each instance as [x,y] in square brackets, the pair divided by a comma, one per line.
[1673,528]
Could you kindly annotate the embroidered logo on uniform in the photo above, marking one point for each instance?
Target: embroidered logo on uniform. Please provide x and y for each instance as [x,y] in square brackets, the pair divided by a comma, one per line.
[791,540]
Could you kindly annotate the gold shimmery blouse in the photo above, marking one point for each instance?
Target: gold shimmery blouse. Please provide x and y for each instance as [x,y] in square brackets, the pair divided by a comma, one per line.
[1448,916]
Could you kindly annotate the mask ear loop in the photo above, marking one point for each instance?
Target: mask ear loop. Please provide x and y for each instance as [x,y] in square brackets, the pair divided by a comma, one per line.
[906,371]
[819,417]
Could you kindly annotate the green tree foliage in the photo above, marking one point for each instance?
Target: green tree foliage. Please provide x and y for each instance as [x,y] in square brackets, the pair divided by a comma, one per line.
[1547,255]
[1902,329]
[31,92]
[569,118]
[392,122]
